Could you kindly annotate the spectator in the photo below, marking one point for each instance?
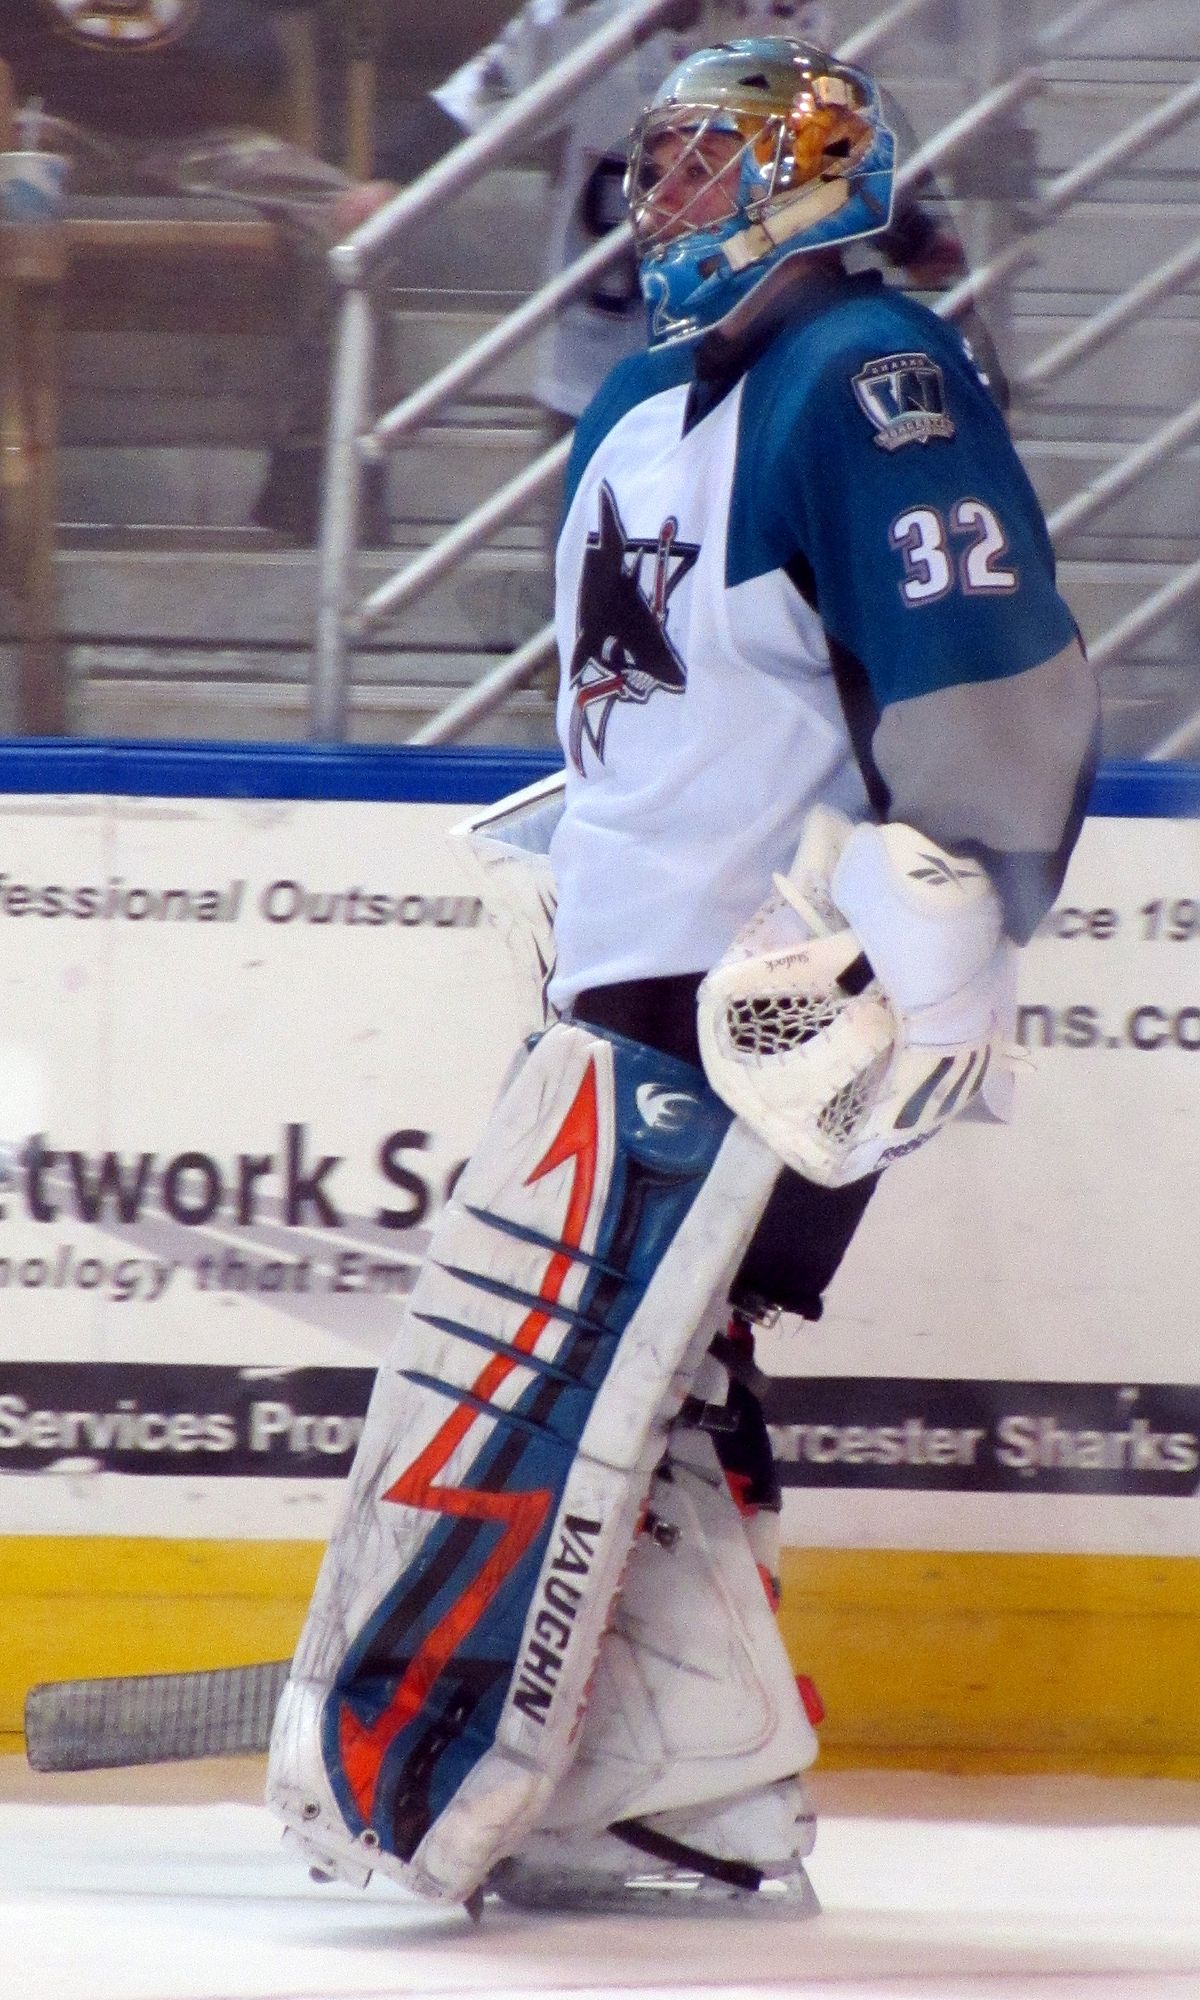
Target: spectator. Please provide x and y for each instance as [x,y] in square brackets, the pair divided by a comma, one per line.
[191,97]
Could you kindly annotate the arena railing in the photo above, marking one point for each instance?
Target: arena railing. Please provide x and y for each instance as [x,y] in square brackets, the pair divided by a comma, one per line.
[1169,440]
[354,439]
[434,563]
[356,265]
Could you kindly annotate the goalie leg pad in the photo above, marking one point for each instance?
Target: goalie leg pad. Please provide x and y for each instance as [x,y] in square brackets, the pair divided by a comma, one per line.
[553,1332]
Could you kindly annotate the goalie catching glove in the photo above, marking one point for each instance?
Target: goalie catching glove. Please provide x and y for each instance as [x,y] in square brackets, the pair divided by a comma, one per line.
[866,1003]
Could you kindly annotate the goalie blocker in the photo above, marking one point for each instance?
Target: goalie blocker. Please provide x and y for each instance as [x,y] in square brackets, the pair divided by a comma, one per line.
[571,1291]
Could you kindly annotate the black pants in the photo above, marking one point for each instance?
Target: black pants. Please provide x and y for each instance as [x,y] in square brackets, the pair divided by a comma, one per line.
[805,1229]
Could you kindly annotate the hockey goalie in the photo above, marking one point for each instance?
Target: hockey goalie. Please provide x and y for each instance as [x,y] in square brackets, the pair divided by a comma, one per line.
[827,733]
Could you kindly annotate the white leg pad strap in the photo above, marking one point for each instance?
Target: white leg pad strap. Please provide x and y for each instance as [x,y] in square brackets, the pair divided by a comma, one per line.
[555,1328]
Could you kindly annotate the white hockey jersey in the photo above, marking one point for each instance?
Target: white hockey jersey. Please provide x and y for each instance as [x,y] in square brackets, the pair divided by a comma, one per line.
[818,575]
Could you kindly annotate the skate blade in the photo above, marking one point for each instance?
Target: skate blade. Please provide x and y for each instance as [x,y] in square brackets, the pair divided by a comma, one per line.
[673,1892]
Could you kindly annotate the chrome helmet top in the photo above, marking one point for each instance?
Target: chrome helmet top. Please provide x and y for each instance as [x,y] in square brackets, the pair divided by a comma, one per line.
[751,152]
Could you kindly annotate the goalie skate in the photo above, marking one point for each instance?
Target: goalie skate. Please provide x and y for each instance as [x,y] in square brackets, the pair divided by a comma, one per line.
[747,1853]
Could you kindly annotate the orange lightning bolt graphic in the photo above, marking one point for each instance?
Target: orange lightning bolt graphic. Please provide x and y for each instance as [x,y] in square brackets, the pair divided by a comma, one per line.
[364,1748]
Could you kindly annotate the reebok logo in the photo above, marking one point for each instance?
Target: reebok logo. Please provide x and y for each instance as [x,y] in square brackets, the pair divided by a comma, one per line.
[937,870]
[890,1153]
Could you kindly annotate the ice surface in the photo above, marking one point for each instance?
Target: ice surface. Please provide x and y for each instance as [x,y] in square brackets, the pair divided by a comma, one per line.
[173,1885]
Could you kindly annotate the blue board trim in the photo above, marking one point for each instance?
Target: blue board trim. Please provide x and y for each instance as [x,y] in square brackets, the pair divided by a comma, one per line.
[404,774]
[1146,791]
[137,769]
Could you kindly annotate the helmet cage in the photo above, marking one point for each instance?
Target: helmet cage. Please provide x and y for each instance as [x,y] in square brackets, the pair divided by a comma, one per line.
[812,165]
[766,165]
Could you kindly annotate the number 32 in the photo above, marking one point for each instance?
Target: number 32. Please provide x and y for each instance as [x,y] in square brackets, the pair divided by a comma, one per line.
[929,565]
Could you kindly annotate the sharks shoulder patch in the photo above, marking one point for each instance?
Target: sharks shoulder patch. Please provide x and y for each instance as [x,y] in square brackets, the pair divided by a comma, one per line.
[904,395]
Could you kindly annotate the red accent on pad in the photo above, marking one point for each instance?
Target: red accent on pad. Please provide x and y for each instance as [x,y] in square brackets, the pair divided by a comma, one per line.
[814,1707]
[739,1484]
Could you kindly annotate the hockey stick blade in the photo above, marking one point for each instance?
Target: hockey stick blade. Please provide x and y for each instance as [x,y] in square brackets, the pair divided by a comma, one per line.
[104,1725]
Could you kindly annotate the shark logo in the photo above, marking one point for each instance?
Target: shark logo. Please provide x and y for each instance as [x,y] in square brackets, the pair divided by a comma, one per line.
[622,649]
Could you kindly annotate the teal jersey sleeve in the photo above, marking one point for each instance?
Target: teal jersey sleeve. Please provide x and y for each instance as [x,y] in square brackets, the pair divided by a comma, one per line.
[874,464]
[877,473]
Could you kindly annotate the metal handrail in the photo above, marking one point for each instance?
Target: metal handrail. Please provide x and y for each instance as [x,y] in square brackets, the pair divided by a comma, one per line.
[540,308]
[349,402]
[487,694]
[1055,33]
[1169,438]
[1156,285]
[359,257]
[1155,610]
[354,261]
[495,346]
[1163,444]
[870,35]
[537,311]
[467,535]
[1146,618]
[1159,123]
[993,104]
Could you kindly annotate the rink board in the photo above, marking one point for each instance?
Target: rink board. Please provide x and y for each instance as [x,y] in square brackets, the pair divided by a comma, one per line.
[926,1660]
[255,1009]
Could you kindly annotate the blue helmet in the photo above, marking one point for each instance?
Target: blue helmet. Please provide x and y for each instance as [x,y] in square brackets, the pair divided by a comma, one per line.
[751,152]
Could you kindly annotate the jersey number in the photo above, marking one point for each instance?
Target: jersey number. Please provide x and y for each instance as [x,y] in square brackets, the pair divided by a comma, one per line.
[929,567]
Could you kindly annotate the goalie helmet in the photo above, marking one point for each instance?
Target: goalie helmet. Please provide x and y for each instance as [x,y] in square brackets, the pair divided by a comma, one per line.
[751,152]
